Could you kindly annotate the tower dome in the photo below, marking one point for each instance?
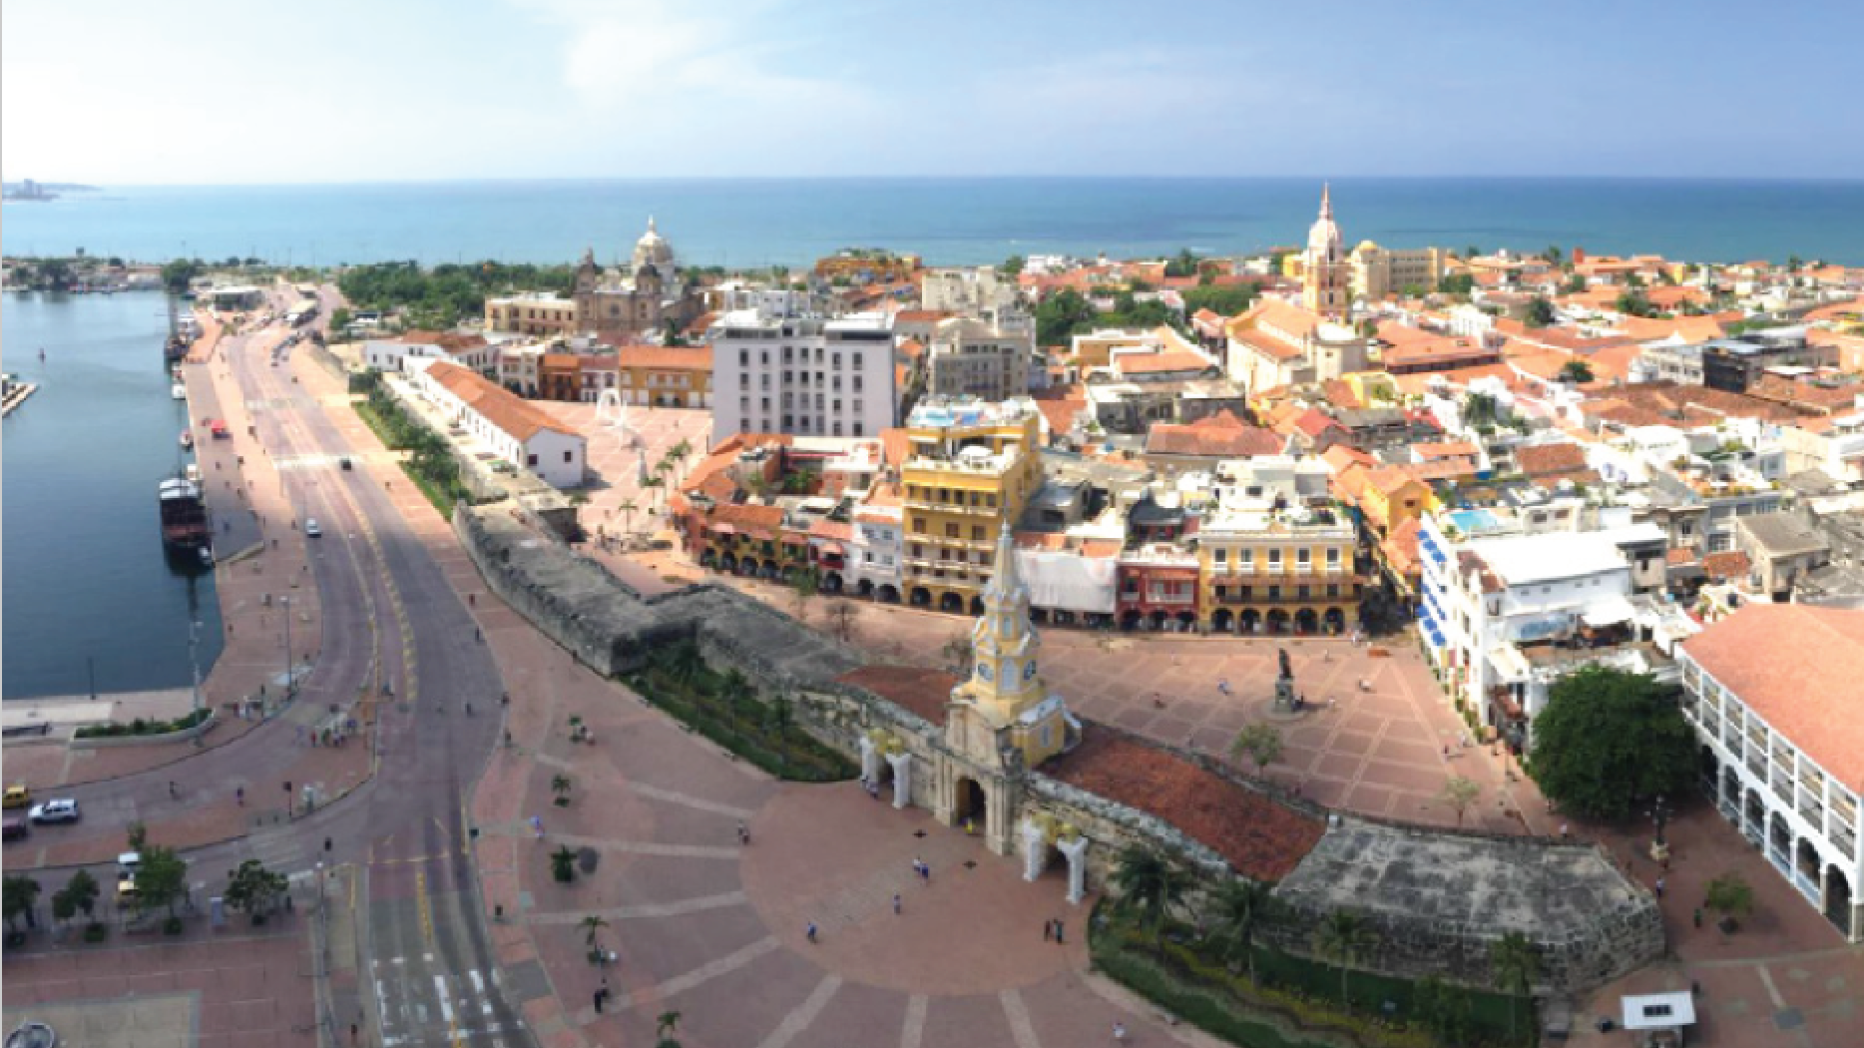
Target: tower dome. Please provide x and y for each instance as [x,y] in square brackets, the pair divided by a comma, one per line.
[1324,234]
[652,249]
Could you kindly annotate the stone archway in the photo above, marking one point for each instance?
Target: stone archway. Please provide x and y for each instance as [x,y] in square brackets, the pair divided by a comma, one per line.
[1187,621]
[1838,905]
[831,582]
[771,569]
[1250,621]
[708,558]
[950,602]
[922,597]
[1158,620]
[729,563]
[977,605]
[1806,864]
[970,807]
[1130,620]
[887,594]
[1276,621]
[1223,621]
[1335,620]
[864,588]
[1306,622]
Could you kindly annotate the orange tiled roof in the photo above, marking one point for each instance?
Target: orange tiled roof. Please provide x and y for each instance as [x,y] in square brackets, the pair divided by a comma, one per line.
[1262,839]
[667,358]
[1541,460]
[922,691]
[501,407]
[1730,564]
[1160,363]
[1797,666]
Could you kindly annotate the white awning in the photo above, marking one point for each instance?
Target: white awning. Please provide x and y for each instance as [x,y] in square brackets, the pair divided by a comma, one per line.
[1608,612]
[1659,1011]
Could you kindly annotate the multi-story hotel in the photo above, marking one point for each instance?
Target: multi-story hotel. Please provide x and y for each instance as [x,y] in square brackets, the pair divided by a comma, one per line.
[1772,691]
[776,369]
[971,468]
[1275,554]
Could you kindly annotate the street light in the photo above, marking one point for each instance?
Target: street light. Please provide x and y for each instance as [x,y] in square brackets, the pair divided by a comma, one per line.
[1660,812]
[194,662]
[290,678]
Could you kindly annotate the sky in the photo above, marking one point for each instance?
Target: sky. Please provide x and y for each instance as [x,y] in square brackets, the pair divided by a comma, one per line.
[234,92]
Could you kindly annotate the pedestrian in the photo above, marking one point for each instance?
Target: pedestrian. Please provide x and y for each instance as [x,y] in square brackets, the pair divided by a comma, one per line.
[1660,888]
[472,599]
[896,905]
[812,931]
[1059,928]
[1446,751]
[1566,832]
[171,789]
[1223,685]
[744,834]
[1048,930]
[537,827]
[1119,1032]
[239,794]
[598,1001]
[1697,917]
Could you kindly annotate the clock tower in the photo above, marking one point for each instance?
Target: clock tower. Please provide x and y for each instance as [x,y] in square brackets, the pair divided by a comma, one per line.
[1004,705]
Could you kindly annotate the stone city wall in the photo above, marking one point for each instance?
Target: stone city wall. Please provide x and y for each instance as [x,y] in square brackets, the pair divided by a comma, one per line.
[611,628]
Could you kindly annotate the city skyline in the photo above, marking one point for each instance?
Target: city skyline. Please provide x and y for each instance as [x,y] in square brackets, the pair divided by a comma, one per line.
[651,90]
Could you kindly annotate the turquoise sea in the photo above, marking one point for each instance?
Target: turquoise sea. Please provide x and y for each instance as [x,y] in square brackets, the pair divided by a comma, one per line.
[955,221]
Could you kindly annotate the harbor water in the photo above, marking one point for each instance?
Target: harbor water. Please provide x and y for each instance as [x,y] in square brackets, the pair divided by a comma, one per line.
[87,586]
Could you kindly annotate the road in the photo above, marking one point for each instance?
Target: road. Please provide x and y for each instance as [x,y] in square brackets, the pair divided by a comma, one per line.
[389,617]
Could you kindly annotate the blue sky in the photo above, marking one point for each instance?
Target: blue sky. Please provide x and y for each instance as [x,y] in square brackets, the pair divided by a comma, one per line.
[112,91]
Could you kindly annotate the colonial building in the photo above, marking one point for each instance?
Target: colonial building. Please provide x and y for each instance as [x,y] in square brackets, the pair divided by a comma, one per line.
[507,425]
[1326,283]
[1379,271]
[1276,554]
[971,469]
[612,303]
[1772,691]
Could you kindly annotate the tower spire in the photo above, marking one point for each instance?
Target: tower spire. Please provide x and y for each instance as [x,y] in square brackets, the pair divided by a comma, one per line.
[1326,200]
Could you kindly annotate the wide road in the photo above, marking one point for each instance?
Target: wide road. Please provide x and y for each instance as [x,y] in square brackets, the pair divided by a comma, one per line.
[390,619]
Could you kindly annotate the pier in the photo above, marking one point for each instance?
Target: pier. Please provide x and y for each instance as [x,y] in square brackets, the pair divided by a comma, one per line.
[16,394]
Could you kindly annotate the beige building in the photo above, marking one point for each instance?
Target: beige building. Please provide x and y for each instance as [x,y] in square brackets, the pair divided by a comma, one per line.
[611,303]
[973,358]
[539,314]
[1379,271]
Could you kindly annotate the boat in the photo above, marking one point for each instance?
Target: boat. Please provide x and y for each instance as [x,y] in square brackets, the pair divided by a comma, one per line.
[178,391]
[193,473]
[184,514]
[187,439]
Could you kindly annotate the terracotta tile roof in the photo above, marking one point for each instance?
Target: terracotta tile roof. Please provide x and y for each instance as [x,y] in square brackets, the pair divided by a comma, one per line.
[1732,564]
[1262,839]
[668,358]
[1339,393]
[1798,667]
[759,522]
[1450,449]
[922,691]
[1542,459]
[501,407]
[1266,344]
[920,316]
[1341,456]
[451,341]
[1679,556]
[831,529]
[896,446]
[1222,435]
[1060,411]
[1160,363]
[1400,547]
[1314,422]
[912,349]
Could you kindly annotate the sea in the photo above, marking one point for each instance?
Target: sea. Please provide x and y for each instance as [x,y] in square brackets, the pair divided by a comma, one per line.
[86,590]
[86,586]
[758,222]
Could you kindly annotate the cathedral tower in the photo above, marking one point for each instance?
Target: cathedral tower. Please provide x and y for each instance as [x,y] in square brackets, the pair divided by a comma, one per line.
[1327,281]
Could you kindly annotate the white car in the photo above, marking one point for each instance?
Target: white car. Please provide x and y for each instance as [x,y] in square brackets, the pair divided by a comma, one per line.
[310,527]
[60,810]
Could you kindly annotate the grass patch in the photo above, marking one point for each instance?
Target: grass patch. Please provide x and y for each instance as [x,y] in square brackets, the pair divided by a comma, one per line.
[375,422]
[442,499]
[1294,995]
[141,726]
[724,708]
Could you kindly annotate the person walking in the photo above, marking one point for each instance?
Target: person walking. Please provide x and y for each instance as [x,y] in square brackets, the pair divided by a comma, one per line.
[1119,1032]
[1048,930]
[537,827]
[1660,888]
[812,931]
[1059,938]
[896,904]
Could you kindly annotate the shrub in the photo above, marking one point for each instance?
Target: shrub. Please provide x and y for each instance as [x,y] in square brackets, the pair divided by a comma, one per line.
[96,932]
[172,926]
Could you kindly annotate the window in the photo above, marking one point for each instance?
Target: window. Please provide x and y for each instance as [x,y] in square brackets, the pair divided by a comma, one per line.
[857,364]
[1222,557]
[977,533]
[569,456]
[744,382]
[744,358]
[1303,556]
[835,361]
[530,460]
[1275,558]
[951,530]
[919,525]
[763,357]
[857,425]
[857,407]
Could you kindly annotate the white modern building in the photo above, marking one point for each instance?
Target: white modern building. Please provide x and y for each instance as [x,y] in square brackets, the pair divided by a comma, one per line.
[393,354]
[982,292]
[874,549]
[777,371]
[508,426]
[1773,693]
[1505,611]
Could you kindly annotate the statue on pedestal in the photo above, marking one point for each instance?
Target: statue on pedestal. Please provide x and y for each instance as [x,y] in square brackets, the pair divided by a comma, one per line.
[1284,684]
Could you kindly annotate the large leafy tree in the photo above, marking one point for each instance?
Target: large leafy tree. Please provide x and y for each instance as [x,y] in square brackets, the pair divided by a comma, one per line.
[18,894]
[162,880]
[1061,315]
[1608,741]
[255,890]
[1515,964]
[1539,312]
[1150,888]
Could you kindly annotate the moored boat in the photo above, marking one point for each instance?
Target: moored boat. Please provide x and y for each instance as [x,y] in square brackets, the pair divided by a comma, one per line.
[187,439]
[184,514]
[178,391]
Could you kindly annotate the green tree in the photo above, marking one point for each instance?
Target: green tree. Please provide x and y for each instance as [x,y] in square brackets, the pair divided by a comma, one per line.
[1343,937]
[1224,301]
[1577,372]
[1553,254]
[18,894]
[1061,315]
[1514,964]
[1609,741]
[1238,910]
[1150,889]
[1634,303]
[1184,264]
[82,890]
[1472,251]
[805,584]
[1459,793]
[1457,284]
[1261,743]
[1445,1010]
[563,864]
[1539,312]
[781,716]
[592,926]
[560,785]
[178,275]
[1731,896]
[666,1024]
[1013,266]
[628,509]
[137,835]
[255,890]
[1793,263]
[161,879]
[1575,284]
[340,318]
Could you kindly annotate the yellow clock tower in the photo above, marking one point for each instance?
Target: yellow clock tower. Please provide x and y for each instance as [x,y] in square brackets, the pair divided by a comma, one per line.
[1004,705]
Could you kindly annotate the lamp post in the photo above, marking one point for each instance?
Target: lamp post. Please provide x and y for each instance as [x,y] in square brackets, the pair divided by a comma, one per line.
[290,678]
[194,662]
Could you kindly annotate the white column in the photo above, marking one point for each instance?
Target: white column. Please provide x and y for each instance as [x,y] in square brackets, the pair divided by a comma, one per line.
[902,778]
[1035,850]
[870,759]
[1076,852]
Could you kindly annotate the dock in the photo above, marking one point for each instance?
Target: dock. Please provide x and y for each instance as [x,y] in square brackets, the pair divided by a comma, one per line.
[16,394]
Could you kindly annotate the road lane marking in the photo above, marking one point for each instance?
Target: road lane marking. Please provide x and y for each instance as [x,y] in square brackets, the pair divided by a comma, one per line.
[440,991]
[1021,1029]
[914,1031]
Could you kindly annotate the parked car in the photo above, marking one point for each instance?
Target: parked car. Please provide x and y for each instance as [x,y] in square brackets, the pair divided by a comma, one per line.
[61,809]
[17,796]
[17,828]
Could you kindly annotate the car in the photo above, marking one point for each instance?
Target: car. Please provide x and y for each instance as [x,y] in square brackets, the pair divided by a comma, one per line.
[310,527]
[126,891]
[62,809]
[16,828]
[17,796]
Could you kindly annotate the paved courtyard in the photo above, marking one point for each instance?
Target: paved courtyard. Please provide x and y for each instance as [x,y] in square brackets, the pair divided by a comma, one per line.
[616,454]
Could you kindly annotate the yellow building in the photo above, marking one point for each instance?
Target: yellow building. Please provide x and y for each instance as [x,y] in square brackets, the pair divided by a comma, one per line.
[970,468]
[1268,563]
[665,376]
[1373,387]
[535,313]
[1004,704]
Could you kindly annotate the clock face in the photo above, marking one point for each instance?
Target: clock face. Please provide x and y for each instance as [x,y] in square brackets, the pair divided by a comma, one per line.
[983,671]
[1029,670]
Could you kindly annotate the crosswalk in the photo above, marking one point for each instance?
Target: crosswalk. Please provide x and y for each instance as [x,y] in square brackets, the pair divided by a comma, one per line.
[420,1004]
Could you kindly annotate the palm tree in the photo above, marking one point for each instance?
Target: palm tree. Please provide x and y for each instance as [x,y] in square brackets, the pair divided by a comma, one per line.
[563,865]
[592,926]
[736,689]
[684,661]
[1515,964]
[780,719]
[627,508]
[1240,909]
[1150,888]
[560,785]
[665,1025]
[1343,936]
